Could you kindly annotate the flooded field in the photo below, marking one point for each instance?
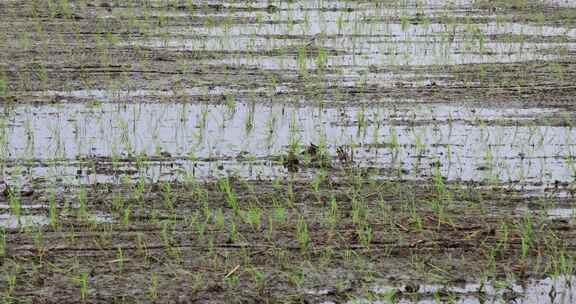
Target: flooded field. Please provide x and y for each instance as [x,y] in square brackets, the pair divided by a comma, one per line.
[215,151]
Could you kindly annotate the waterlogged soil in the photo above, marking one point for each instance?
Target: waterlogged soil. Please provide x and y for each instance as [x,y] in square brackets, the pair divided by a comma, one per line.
[182,242]
[338,52]
[77,143]
[294,152]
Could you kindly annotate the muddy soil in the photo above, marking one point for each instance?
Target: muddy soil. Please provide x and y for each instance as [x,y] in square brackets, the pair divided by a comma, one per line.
[293,152]
[205,253]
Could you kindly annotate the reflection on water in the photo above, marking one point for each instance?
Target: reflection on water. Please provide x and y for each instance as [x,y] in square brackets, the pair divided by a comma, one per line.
[556,290]
[9,221]
[468,143]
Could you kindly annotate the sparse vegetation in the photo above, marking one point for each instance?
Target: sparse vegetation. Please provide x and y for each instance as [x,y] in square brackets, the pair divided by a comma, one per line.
[179,151]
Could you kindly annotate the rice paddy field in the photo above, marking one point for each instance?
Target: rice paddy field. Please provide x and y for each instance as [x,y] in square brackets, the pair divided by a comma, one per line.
[288,151]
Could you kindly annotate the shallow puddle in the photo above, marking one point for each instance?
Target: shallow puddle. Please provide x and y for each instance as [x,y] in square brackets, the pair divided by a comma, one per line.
[469,143]
[353,36]
[8,221]
[559,290]
[561,213]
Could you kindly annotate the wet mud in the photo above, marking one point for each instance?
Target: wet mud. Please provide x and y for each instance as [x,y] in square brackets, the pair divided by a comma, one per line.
[293,152]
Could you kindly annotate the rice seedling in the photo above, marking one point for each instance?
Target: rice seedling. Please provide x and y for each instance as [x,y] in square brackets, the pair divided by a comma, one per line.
[345,151]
